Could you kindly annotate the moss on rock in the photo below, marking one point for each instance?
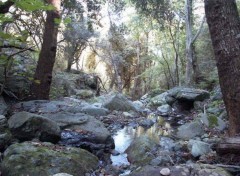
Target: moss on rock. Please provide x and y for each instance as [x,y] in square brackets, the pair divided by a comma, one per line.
[43,159]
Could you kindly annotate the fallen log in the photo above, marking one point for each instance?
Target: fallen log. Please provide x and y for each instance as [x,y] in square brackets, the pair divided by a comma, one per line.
[229,146]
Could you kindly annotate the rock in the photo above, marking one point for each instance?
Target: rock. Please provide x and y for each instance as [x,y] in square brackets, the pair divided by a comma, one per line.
[164,109]
[138,105]
[18,85]
[146,123]
[189,94]
[83,122]
[217,94]
[62,174]
[3,122]
[155,92]
[84,93]
[5,140]
[198,148]
[26,126]
[44,159]
[158,100]
[95,111]
[165,171]
[42,106]
[167,143]
[71,83]
[198,105]
[128,115]
[120,103]
[215,110]
[3,106]
[156,161]
[190,130]
[213,121]
[182,170]
[162,160]
[140,150]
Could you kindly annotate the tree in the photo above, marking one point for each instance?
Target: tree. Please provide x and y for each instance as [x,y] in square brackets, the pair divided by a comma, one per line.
[43,75]
[224,26]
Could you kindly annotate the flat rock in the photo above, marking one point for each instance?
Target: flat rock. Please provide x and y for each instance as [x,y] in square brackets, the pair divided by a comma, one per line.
[84,122]
[189,94]
[182,170]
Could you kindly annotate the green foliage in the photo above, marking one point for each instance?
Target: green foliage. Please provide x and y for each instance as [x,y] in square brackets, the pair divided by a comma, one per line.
[57,92]
[33,5]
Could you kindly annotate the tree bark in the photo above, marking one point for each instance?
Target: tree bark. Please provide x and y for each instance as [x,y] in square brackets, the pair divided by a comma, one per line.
[43,75]
[189,44]
[224,26]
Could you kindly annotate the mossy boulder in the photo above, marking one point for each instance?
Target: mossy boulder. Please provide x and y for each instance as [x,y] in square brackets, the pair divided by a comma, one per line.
[140,150]
[158,100]
[213,121]
[45,159]
[27,126]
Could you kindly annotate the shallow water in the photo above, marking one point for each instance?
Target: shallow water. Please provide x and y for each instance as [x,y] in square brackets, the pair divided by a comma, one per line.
[125,136]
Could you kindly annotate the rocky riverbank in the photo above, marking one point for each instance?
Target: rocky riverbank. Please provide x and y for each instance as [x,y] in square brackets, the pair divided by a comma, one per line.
[174,132]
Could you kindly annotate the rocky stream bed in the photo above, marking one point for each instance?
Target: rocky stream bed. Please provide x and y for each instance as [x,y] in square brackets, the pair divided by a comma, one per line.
[174,132]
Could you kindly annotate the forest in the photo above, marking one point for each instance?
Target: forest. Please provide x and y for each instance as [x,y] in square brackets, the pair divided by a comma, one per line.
[119,87]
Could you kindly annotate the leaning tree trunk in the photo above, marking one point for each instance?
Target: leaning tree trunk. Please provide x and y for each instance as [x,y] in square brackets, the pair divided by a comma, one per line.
[43,75]
[224,26]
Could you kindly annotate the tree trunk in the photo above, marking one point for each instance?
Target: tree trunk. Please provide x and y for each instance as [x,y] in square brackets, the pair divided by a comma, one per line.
[43,75]
[137,86]
[224,26]
[189,45]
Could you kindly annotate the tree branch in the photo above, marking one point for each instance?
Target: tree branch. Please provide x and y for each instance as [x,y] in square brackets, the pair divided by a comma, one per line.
[199,30]
[17,47]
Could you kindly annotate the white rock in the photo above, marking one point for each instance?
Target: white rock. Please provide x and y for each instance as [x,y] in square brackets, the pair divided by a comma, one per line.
[165,171]
[62,174]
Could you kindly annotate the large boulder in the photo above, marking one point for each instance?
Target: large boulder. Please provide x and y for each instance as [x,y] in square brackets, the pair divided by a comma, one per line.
[26,126]
[190,130]
[72,82]
[140,150]
[189,94]
[83,122]
[212,121]
[181,98]
[182,170]
[44,159]
[120,103]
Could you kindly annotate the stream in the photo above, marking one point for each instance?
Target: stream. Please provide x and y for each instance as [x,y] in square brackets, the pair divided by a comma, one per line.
[162,128]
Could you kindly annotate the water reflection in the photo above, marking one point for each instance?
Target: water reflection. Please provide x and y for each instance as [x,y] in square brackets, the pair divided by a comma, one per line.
[125,136]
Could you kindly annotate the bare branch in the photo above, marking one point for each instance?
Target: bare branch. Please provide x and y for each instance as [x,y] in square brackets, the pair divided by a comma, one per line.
[199,30]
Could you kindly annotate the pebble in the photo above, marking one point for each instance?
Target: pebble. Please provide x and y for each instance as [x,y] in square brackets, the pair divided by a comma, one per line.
[165,171]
